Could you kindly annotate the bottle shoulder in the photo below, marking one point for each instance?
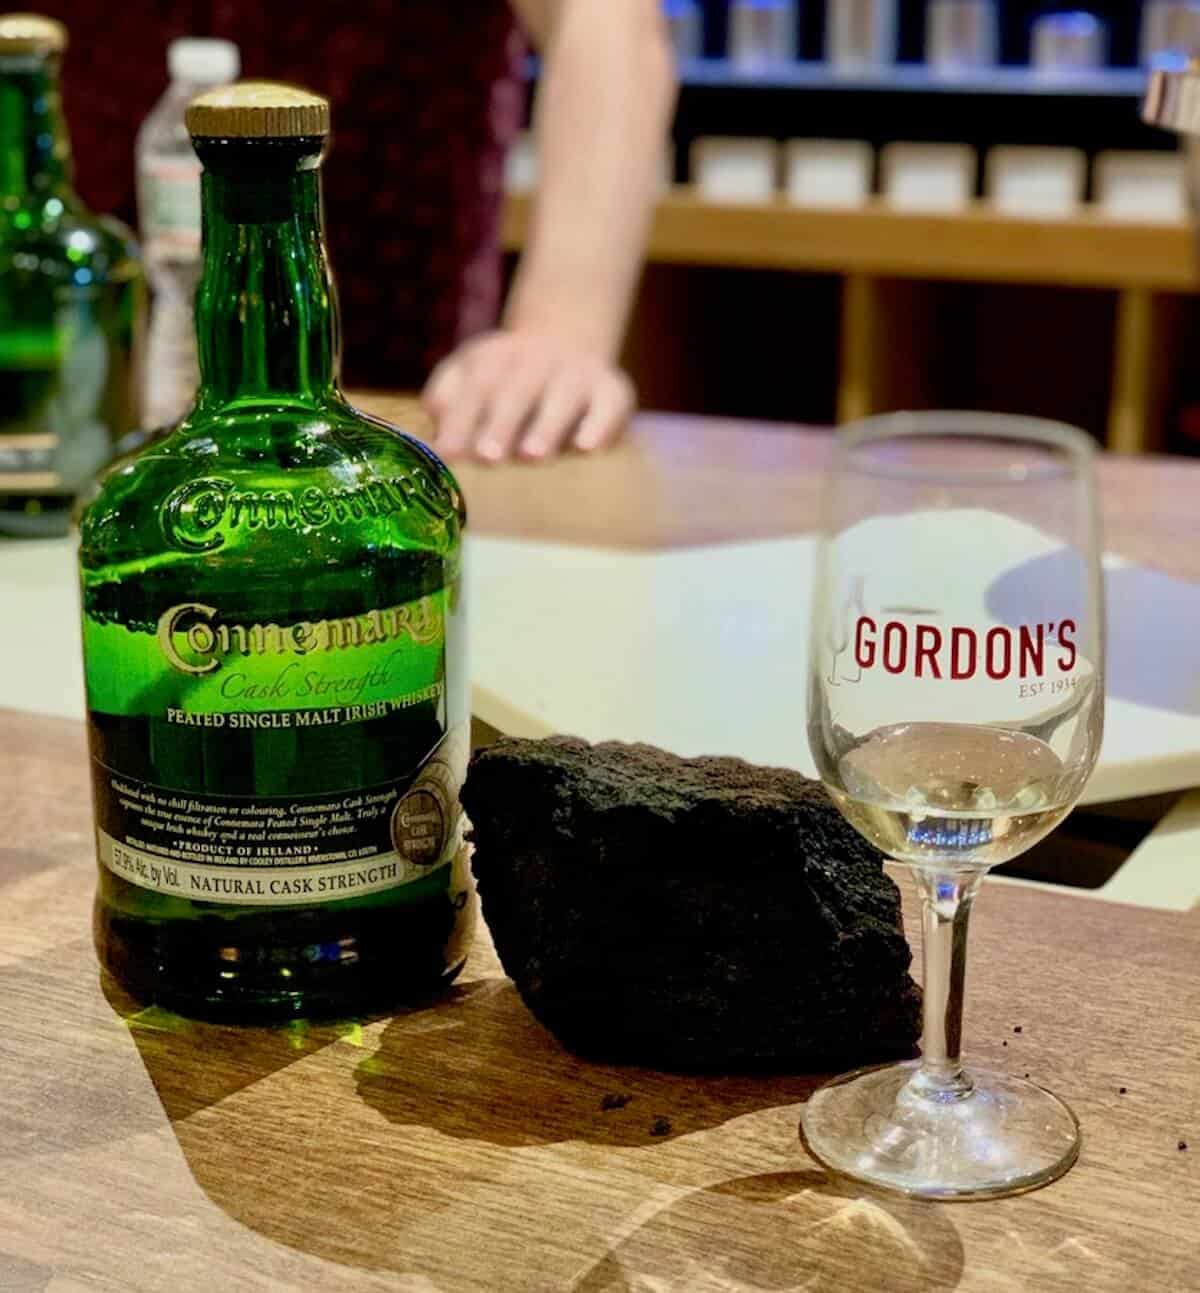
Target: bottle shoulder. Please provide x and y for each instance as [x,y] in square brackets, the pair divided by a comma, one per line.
[61,239]
[283,484]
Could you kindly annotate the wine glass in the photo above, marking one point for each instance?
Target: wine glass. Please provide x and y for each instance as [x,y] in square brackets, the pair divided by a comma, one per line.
[956,706]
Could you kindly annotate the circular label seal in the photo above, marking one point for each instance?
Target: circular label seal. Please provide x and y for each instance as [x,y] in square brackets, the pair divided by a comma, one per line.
[419,826]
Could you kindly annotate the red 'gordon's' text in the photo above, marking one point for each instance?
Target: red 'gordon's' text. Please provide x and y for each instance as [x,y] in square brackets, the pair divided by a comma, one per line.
[927,651]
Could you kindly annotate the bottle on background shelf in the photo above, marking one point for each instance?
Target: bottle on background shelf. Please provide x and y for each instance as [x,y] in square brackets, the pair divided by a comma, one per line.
[1068,44]
[1170,33]
[861,35]
[274,640]
[762,33]
[961,36]
[70,299]
[168,174]
[685,22]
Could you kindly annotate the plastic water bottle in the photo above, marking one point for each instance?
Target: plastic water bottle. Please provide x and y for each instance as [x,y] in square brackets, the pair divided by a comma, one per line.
[169,213]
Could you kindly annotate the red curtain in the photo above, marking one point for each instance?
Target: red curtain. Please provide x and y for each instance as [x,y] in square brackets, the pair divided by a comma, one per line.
[426,97]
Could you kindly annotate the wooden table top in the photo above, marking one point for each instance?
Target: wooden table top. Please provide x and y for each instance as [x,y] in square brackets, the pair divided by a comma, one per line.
[681,481]
[459,1148]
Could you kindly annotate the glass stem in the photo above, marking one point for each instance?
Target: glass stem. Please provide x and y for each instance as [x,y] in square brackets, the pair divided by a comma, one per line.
[946,899]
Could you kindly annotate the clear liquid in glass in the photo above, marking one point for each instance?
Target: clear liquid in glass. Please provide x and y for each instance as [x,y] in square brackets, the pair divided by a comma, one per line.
[953,794]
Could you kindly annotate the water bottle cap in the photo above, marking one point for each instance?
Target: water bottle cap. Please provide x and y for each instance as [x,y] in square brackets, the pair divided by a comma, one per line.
[202,61]
[1075,22]
[1069,42]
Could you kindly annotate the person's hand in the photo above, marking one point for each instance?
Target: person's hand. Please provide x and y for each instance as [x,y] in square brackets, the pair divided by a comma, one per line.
[525,394]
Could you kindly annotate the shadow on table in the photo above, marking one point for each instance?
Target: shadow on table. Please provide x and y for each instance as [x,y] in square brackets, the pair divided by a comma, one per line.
[784,1230]
[72,1080]
[22,864]
[458,1141]
[78,1082]
[195,1065]
[1151,656]
[20,1276]
[478,1066]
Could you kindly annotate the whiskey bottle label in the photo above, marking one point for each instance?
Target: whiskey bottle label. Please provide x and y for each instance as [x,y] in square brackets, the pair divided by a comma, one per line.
[245,783]
[280,851]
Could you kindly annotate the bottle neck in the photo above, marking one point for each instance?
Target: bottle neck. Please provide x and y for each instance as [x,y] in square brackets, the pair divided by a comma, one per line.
[266,311]
[35,150]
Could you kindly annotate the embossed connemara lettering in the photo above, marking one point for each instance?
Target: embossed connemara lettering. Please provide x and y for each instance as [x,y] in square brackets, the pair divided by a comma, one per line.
[199,515]
[195,641]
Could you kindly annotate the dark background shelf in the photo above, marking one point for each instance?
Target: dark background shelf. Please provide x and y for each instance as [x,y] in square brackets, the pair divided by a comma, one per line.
[730,332]
[1016,19]
[1011,106]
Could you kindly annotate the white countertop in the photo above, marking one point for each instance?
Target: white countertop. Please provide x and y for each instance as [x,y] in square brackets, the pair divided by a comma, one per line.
[698,651]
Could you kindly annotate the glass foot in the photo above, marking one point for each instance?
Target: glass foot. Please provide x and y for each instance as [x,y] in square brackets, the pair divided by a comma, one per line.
[885,1127]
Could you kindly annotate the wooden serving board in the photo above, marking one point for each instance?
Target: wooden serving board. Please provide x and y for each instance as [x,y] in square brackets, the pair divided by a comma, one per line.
[459,1149]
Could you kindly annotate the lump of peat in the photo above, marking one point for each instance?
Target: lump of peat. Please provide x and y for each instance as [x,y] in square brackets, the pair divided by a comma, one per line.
[687,913]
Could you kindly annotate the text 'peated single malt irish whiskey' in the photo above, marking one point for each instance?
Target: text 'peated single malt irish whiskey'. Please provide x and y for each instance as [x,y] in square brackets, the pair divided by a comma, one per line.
[274,640]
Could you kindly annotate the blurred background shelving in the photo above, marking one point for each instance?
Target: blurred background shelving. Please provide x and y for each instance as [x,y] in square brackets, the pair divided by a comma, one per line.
[1093,111]
[1123,19]
[779,310]
[769,310]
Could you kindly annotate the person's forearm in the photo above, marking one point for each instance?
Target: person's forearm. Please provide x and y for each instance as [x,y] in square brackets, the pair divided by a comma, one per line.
[603,112]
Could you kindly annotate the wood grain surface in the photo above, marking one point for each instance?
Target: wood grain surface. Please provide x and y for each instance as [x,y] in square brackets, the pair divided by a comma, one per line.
[682,481]
[459,1148]
[977,244]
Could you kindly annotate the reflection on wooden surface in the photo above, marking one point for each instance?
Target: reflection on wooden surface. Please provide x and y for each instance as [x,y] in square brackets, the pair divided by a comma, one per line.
[803,1224]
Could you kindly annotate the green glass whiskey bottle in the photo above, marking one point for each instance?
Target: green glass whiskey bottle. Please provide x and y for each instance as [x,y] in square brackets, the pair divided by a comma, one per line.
[274,640]
[70,297]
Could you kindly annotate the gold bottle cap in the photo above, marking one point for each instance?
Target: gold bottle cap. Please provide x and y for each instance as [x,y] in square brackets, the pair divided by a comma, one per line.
[30,33]
[258,110]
